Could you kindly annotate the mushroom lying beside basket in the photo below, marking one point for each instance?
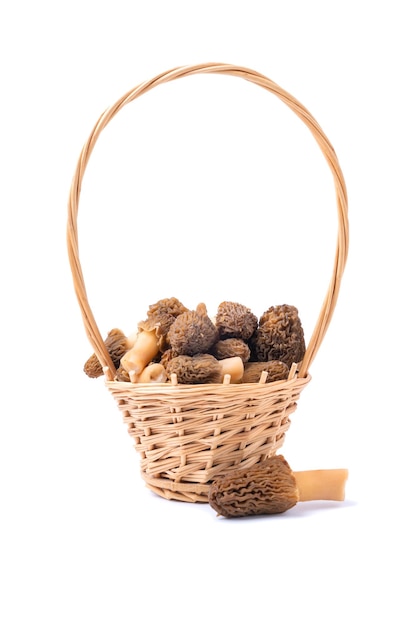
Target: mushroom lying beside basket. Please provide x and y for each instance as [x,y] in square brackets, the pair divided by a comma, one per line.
[272,487]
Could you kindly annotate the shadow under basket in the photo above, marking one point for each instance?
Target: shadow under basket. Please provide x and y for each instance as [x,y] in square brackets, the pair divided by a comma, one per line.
[187,434]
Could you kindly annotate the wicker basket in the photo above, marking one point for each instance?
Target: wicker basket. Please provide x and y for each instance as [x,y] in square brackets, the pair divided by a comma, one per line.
[186,434]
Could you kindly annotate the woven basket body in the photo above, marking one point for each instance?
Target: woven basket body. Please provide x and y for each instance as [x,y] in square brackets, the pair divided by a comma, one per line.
[186,434]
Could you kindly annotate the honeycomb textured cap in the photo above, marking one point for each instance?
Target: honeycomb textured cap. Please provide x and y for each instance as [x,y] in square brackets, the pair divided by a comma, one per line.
[267,488]
[279,336]
[192,333]
[235,320]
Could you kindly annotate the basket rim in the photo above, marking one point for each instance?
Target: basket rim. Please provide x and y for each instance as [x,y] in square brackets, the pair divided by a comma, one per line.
[329,303]
[170,389]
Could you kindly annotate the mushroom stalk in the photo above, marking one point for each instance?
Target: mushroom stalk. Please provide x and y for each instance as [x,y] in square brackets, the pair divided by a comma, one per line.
[234,367]
[141,354]
[153,373]
[326,484]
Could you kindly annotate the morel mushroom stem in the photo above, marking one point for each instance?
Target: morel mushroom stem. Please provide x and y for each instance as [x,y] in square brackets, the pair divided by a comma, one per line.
[153,373]
[145,348]
[326,484]
[233,366]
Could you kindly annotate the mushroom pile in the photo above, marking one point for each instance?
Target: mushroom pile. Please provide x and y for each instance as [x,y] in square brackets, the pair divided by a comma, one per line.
[186,346]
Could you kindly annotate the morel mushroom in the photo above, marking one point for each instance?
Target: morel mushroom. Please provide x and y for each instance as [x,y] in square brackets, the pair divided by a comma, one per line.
[235,320]
[167,356]
[192,333]
[117,345]
[160,317]
[194,370]
[271,487]
[276,370]
[167,306]
[279,336]
[226,348]
[152,336]
[204,369]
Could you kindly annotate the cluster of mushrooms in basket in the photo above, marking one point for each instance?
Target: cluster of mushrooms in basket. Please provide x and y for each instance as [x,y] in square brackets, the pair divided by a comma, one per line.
[187,346]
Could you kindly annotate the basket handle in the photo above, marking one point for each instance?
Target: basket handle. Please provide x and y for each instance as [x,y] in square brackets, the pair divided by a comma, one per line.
[330,300]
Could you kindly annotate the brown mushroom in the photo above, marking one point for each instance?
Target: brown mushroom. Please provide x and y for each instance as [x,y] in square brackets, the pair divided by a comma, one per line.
[152,336]
[167,306]
[271,487]
[276,370]
[235,320]
[117,345]
[160,317]
[196,369]
[204,369]
[192,332]
[234,346]
[279,336]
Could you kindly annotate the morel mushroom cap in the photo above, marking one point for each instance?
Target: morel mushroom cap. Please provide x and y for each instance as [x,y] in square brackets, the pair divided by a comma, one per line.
[161,315]
[226,348]
[235,320]
[117,345]
[277,370]
[192,332]
[197,369]
[271,487]
[167,306]
[151,339]
[279,336]
[266,488]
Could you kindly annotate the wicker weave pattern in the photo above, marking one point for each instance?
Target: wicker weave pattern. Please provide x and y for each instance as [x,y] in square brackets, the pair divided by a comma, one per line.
[186,434]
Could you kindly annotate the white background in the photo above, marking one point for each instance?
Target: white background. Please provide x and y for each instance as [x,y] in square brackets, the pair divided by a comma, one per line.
[82,540]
